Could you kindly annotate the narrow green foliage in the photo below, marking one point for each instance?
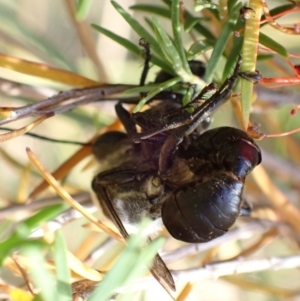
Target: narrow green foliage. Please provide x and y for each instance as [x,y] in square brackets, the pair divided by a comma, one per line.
[132,47]
[138,28]
[264,57]
[83,8]
[167,47]
[176,26]
[41,276]
[132,263]
[190,23]
[23,229]
[63,275]
[272,44]
[222,42]
[155,91]
[203,4]
[152,9]
[188,97]
[198,48]
[232,58]
[201,29]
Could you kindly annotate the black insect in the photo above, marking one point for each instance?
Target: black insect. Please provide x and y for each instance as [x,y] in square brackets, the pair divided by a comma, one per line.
[192,181]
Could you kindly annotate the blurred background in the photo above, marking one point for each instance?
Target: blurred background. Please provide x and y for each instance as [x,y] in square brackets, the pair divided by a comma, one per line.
[46,32]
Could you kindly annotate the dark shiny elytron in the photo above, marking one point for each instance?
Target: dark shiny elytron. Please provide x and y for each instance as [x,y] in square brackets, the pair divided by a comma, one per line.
[205,208]
[193,181]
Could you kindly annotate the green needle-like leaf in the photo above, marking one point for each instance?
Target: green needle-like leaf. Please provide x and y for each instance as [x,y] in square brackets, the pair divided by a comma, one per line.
[41,276]
[138,28]
[20,236]
[158,89]
[131,264]
[222,42]
[176,26]
[272,44]
[134,48]
[167,47]
[152,9]
[63,276]
[83,8]
[198,48]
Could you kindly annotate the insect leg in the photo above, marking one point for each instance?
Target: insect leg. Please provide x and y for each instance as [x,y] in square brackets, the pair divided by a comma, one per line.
[195,118]
[246,208]
[125,118]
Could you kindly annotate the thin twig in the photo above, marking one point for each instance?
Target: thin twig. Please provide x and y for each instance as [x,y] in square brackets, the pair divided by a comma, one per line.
[242,232]
[27,209]
[50,105]
[208,272]
[24,274]
[219,269]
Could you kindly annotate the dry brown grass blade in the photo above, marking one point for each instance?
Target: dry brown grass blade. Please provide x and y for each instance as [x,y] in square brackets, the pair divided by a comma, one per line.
[286,209]
[62,170]
[45,71]
[19,132]
[24,184]
[65,168]
[65,196]
[81,270]
[185,292]
[86,246]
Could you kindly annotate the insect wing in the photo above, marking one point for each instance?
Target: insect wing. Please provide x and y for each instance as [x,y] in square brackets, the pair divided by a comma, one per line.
[159,269]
